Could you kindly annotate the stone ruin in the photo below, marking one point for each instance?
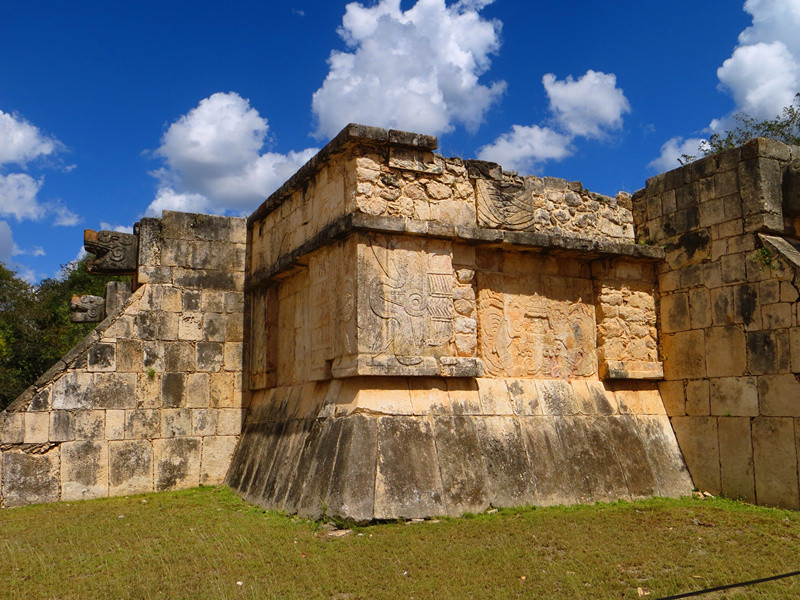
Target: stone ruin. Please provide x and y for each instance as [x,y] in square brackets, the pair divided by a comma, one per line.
[395,334]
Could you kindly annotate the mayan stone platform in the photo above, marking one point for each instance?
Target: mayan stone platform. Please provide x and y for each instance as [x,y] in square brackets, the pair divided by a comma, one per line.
[433,336]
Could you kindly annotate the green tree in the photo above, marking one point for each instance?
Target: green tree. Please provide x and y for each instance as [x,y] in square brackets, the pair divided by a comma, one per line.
[35,331]
[784,128]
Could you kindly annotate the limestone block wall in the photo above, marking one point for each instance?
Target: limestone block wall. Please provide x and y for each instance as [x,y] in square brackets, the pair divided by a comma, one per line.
[152,398]
[730,335]
[433,336]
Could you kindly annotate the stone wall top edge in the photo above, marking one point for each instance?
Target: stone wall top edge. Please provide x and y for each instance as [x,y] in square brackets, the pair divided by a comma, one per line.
[588,248]
[352,133]
[64,363]
[725,160]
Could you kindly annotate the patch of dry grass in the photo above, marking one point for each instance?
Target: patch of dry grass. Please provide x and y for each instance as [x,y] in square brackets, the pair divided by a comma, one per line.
[206,543]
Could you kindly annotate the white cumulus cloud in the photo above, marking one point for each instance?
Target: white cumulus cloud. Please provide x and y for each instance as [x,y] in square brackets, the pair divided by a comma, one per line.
[21,142]
[762,78]
[214,159]
[18,197]
[763,72]
[417,69]
[673,150]
[524,147]
[7,246]
[588,107]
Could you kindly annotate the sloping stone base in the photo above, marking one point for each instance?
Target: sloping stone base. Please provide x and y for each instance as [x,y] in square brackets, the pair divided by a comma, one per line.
[453,447]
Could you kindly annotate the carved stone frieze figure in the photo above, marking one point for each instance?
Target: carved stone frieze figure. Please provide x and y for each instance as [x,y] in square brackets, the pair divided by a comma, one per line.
[534,336]
[411,296]
[87,309]
[115,253]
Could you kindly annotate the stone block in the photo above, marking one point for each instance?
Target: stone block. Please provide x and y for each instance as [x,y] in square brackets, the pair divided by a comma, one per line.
[233,359]
[700,308]
[73,390]
[102,357]
[190,326]
[130,464]
[221,390]
[62,426]
[229,421]
[111,390]
[674,397]
[408,482]
[172,390]
[734,396]
[775,462]
[494,397]
[464,396]
[508,468]
[204,422]
[90,424]
[462,471]
[779,395]
[664,456]
[697,398]
[176,422]
[130,356]
[30,478]
[763,352]
[549,460]
[524,396]
[684,355]
[726,354]
[84,470]
[558,398]
[628,443]
[382,395]
[198,390]
[428,396]
[593,467]
[351,491]
[148,390]
[736,458]
[217,453]
[115,425]
[209,356]
[179,357]
[142,424]
[699,442]
[723,306]
[177,463]
[37,428]
[214,327]
[675,315]
[41,401]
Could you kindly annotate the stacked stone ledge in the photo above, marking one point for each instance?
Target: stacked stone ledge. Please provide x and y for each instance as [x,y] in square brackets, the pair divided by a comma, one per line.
[728,300]
[152,398]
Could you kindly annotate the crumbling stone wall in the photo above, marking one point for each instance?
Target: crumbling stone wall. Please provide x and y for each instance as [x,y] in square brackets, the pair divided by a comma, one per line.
[434,336]
[152,398]
[728,296]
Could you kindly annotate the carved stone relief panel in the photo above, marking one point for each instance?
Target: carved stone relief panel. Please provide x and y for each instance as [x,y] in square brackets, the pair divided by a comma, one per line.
[405,311]
[536,326]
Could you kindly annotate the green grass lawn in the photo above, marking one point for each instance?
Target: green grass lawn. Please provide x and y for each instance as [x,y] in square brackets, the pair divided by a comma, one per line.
[207,543]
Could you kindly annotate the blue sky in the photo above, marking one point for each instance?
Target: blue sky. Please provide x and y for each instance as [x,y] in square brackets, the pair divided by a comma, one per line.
[113,111]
